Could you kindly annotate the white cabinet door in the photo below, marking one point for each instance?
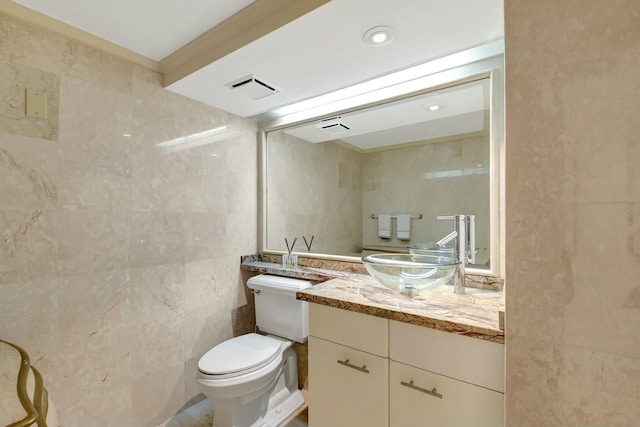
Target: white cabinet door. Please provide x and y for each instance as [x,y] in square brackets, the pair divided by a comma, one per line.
[347,387]
[421,398]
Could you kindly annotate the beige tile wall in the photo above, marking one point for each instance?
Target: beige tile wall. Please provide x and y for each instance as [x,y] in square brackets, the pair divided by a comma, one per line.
[572,215]
[119,262]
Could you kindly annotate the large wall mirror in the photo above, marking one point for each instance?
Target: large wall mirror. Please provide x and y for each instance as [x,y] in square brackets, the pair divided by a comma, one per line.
[433,153]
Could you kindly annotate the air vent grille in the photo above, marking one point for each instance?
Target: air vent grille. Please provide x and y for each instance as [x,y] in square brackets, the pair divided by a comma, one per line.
[252,87]
[332,125]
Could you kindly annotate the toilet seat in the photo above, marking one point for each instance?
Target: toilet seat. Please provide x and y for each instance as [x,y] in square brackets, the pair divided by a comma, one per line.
[239,356]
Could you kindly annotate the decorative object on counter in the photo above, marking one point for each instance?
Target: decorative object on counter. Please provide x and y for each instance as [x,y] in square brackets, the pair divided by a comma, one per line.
[308,244]
[403,227]
[384,226]
[289,260]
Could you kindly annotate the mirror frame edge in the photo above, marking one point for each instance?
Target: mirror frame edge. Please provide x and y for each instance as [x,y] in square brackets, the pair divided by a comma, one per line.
[496,178]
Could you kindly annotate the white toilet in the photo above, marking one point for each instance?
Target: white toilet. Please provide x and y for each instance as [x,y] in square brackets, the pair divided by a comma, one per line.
[253,379]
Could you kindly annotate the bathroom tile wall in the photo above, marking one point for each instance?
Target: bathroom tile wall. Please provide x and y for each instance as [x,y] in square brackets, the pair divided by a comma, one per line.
[119,260]
[573,213]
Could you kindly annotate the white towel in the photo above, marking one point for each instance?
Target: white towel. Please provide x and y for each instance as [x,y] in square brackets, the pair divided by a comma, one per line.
[403,227]
[384,226]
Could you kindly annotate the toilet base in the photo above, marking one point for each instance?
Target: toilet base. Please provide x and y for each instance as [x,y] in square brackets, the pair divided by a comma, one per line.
[275,416]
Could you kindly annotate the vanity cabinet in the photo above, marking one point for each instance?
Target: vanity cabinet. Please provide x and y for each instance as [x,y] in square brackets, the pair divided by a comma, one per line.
[369,371]
[348,368]
[442,379]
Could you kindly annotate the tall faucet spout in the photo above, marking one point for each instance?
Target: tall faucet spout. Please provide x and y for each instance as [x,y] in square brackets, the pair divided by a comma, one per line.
[446,239]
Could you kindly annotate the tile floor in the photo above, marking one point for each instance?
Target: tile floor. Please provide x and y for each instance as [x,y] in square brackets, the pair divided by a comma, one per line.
[200,415]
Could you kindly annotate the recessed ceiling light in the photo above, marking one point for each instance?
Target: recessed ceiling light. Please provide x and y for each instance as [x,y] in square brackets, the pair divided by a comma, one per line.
[379,36]
[434,107]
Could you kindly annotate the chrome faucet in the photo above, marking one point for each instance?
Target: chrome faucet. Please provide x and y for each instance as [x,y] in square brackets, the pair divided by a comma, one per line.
[464,230]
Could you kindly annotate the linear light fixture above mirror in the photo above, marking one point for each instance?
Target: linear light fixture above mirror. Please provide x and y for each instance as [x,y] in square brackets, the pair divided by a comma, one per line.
[391,85]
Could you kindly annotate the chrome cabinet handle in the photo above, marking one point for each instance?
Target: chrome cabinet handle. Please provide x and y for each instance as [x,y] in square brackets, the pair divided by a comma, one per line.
[433,392]
[350,365]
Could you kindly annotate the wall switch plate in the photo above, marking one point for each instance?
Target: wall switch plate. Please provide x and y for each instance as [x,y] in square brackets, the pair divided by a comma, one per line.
[36,104]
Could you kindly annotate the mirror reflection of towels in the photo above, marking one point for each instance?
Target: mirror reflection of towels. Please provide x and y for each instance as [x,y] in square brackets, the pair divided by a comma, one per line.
[403,227]
[384,226]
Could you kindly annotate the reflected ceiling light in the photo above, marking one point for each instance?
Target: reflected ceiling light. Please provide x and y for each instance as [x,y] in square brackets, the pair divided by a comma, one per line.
[379,36]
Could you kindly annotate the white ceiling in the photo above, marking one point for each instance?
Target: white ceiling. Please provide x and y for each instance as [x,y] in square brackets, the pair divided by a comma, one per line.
[152,28]
[315,54]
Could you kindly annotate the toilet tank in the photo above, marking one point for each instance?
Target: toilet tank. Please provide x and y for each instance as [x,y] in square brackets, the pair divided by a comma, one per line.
[278,312]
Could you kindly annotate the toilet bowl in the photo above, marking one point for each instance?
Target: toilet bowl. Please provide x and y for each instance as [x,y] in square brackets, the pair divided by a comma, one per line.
[252,379]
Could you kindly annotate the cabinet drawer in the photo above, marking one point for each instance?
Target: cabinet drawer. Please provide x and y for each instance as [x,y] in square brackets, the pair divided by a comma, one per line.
[347,387]
[461,404]
[468,359]
[357,330]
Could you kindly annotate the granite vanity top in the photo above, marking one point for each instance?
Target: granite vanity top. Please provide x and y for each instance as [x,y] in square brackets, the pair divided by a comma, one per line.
[474,314]
[477,314]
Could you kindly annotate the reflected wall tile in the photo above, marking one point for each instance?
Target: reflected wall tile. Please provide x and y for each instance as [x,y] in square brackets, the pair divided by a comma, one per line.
[91,241]
[28,167]
[157,238]
[17,77]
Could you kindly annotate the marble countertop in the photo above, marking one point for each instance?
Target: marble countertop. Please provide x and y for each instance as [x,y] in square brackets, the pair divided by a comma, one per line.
[478,314]
[475,314]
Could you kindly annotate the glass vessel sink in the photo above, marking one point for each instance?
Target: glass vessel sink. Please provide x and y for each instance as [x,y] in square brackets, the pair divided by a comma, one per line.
[409,273]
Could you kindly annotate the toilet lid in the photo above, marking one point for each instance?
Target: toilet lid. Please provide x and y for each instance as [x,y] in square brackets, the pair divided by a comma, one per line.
[246,352]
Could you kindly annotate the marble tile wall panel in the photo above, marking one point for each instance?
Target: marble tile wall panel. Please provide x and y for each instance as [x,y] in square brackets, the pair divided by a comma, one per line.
[571,218]
[118,258]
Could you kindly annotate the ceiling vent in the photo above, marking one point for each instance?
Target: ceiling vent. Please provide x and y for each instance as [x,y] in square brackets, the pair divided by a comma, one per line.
[332,125]
[252,87]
